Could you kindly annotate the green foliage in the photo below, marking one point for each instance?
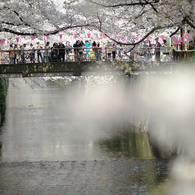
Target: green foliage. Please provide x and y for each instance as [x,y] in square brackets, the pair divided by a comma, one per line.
[131,143]
[2,98]
[190,57]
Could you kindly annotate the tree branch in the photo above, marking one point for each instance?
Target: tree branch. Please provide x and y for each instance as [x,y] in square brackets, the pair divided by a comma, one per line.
[42,32]
[153,7]
[20,18]
[175,31]
[186,19]
[135,43]
[128,4]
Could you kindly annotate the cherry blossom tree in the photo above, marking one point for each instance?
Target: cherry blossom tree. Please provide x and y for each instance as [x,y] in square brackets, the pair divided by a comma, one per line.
[35,17]
[142,18]
[128,22]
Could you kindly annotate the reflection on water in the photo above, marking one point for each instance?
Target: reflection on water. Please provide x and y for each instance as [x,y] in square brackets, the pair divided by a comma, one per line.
[127,143]
[45,121]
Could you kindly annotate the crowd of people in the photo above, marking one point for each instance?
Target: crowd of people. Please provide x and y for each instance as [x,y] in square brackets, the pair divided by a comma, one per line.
[38,53]
[150,51]
[79,51]
[60,52]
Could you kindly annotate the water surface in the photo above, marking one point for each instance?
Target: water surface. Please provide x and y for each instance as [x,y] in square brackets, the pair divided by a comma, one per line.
[49,138]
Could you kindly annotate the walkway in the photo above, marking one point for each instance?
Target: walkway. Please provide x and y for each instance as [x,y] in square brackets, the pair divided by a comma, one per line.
[61,68]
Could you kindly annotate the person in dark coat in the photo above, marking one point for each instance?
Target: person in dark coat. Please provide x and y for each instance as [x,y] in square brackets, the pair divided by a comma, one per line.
[76,50]
[61,52]
[55,52]
[80,54]
[157,50]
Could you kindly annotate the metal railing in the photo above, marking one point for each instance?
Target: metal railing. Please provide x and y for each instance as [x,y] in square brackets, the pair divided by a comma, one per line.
[180,55]
[75,54]
[72,54]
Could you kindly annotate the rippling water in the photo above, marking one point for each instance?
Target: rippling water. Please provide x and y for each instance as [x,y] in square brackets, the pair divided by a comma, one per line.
[70,136]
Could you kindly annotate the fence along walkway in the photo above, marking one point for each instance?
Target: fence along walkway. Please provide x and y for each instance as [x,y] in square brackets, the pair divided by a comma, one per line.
[187,54]
[94,54]
[79,54]
[57,55]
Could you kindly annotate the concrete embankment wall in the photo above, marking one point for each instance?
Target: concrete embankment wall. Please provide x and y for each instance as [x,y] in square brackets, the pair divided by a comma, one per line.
[3,92]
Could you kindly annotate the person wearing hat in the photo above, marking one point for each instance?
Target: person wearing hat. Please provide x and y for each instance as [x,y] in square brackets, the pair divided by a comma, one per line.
[157,50]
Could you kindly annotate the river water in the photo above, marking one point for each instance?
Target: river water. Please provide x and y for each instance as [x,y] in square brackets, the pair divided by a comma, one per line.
[69,135]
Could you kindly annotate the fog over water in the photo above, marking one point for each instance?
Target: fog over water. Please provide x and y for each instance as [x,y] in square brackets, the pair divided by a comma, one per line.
[92,109]
[172,108]
[59,111]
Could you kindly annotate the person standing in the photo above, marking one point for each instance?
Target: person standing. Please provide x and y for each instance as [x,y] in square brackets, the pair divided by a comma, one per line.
[38,48]
[119,51]
[114,49]
[108,51]
[46,52]
[99,51]
[191,45]
[61,52]
[80,56]
[25,53]
[76,50]
[19,53]
[157,50]
[55,52]
[16,54]
[145,50]
[11,54]
[95,50]
[22,53]
[153,52]
[32,53]
[149,50]
[68,50]
[87,44]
